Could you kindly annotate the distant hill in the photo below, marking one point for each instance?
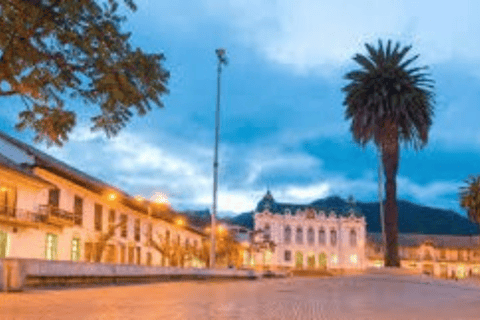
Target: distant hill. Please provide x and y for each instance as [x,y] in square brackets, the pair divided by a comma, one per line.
[412,218]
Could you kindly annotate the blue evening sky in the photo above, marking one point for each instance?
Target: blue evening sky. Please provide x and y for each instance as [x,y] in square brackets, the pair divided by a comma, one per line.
[282,115]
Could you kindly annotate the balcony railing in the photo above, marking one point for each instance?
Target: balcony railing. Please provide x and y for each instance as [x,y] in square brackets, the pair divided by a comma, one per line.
[19,217]
[55,215]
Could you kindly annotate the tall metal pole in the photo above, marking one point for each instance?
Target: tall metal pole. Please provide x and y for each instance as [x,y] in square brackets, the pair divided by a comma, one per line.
[221,60]
[380,195]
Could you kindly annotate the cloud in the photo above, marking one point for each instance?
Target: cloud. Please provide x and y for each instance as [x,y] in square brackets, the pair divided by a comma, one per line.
[427,193]
[310,34]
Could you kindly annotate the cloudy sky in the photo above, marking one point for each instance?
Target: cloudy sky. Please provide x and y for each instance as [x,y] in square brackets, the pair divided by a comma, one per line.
[282,117]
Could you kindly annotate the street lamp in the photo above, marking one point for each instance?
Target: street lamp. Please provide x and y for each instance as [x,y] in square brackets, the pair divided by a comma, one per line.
[221,60]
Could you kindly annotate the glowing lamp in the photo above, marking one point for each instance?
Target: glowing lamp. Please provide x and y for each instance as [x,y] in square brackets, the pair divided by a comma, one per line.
[139,198]
[160,198]
[378,263]
[3,189]
[180,222]
[112,196]
[353,258]
[334,259]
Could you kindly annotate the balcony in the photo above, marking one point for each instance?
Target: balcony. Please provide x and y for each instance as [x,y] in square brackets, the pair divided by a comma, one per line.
[19,217]
[55,216]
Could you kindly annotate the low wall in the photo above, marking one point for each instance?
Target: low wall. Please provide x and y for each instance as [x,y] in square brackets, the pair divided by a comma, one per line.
[15,274]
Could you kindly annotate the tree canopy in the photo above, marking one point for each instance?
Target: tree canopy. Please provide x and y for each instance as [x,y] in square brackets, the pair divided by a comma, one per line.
[470,198]
[54,50]
[386,93]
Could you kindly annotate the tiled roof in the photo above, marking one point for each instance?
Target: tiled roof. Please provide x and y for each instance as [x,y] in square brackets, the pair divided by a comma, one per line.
[43,160]
[7,163]
[269,203]
[437,240]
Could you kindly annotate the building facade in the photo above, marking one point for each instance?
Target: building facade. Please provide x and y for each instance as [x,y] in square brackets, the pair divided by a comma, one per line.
[49,210]
[307,237]
[444,256]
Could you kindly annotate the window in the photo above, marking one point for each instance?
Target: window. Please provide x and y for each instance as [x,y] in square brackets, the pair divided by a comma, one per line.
[195,244]
[288,255]
[51,246]
[3,244]
[460,255]
[167,236]
[299,236]
[266,232]
[98,217]
[78,211]
[75,249]
[88,251]
[8,200]
[139,255]
[321,237]
[178,238]
[122,253]
[149,258]
[149,231]
[333,237]
[287,236]
[123,221]
[427,255]
[443,254]
[310,236]
[54,197]
[353,238]
[187,243]
[111,219]
[111,253]
[137,230]
[131,254]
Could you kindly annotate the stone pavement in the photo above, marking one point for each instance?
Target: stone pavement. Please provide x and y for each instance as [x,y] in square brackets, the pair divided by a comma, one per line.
[368,296]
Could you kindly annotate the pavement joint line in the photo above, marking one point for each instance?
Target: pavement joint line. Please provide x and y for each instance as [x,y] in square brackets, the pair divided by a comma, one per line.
[437,283]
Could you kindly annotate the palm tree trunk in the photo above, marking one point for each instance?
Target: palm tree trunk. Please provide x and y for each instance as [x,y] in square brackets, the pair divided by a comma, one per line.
[390,162]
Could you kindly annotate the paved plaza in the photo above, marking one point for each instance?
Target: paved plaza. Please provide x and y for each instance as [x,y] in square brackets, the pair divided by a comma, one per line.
[370,296]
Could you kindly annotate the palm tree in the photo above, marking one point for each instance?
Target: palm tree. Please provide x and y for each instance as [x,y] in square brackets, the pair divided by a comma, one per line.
[389,104]
[470,198]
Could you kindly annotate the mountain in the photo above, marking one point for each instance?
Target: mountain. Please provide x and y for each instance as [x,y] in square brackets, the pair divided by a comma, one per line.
[197,218]
[412,218]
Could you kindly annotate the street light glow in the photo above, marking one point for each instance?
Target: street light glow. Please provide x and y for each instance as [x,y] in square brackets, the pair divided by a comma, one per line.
[180,222]
[160,198]
[139,198]
[353,258]
[112,196]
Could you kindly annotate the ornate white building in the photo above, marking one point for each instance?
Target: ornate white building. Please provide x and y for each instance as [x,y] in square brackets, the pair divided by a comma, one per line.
[309,237]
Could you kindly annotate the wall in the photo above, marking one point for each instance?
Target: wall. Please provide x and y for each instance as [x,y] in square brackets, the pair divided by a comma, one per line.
[22,272]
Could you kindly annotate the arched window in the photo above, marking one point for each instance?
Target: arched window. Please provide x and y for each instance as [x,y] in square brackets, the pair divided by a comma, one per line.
[167,236]
[287,235]
[310,236]
[333,237]
[353,238]
[266,232]
[321,237]
[299,236]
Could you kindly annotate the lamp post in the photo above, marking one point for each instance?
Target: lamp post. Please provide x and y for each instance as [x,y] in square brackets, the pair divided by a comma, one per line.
[221,60]
[380,197]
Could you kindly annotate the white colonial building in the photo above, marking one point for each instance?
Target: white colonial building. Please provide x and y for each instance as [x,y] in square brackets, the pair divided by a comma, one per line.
[309,237]
[49,210]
